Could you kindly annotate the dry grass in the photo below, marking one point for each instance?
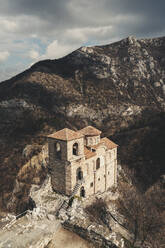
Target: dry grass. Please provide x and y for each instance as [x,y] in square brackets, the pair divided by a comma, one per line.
[33,171]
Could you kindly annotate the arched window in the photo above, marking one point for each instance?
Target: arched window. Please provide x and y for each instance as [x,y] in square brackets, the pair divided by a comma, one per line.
[97,163]
[57,149]
[75,149]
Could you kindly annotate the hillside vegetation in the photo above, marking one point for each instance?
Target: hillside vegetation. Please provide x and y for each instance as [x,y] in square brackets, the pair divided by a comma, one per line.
[118,88]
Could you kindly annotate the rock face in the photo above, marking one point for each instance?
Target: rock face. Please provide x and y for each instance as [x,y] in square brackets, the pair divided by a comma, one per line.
[34,171]
[112,87]
[121,79]
[99,239]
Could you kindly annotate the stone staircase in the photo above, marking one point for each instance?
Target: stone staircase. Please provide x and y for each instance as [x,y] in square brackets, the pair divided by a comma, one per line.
[76,188]
[63,205]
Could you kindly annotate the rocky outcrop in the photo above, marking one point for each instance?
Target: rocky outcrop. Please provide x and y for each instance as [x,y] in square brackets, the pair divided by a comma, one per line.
[33,172]
[94,234]
[101,231]
[41,228]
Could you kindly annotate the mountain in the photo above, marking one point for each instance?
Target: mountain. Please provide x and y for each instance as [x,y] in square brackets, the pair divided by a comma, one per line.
[119,88]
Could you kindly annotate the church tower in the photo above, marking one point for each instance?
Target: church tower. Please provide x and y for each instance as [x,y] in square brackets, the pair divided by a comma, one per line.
[65,147]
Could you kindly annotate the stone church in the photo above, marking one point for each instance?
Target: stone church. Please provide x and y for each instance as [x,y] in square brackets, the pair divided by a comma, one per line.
[81,162]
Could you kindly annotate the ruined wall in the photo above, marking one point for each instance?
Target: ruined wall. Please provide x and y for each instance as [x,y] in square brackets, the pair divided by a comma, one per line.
[99,237]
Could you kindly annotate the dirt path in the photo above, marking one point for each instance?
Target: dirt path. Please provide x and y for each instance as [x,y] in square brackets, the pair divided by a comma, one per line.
[26,233]
[64,238]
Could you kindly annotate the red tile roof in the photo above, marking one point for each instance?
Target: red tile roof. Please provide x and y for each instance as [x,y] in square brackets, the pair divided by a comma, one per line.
[90,131]
[88,153]
[105,141]
[66,134]
[109,143]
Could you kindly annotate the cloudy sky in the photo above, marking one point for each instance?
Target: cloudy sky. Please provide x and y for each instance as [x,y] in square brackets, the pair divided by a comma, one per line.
[31,30]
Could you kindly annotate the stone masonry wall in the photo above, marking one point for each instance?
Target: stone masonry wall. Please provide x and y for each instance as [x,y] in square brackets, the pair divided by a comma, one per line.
[69,151]
[89,179]
[111,163]
[57,166]
[58,177]
[92,140]
[96,180]
[68,180]
[100,178]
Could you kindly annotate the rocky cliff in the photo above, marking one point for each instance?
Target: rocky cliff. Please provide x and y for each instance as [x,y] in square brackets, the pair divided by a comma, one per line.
[119,88]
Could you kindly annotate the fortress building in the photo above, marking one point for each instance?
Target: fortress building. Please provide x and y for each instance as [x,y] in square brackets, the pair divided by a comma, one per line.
[81,162]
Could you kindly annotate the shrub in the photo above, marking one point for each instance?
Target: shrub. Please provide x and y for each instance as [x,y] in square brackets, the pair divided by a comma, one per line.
[97,211]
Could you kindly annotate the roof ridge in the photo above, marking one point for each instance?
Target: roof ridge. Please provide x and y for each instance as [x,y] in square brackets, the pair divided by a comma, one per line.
[90,131]
[66,134]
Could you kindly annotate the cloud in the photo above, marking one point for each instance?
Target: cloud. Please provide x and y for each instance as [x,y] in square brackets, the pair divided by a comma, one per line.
[33,54]
[68,14]
[51,29]
[72,39]
[56,50]
[11,71]
[4,56]
[7,25]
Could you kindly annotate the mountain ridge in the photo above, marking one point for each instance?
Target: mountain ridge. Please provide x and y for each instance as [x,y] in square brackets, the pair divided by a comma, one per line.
[117,88]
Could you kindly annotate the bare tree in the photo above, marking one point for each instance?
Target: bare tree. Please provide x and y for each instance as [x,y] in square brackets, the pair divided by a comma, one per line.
[97,212]
[141,215]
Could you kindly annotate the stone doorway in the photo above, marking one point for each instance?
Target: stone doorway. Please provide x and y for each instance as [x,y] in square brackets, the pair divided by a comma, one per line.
[79,174]
[82,192]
